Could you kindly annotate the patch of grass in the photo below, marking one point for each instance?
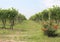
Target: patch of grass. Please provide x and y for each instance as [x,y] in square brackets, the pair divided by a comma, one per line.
[28,31]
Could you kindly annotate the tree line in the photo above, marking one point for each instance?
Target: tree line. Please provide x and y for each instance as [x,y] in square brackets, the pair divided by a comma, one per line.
[10,15]
[52,13]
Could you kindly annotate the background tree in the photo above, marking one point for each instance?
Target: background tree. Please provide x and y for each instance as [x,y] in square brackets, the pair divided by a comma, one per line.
[52,13]
[37,17]
[3,16]
[12,14]
[45,14]
[21,18]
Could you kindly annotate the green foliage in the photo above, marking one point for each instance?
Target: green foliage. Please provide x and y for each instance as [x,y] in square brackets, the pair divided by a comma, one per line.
[47,14]
[10,15]
[50,29]
[50,15]
[21,18]
[3,16]
[37,17]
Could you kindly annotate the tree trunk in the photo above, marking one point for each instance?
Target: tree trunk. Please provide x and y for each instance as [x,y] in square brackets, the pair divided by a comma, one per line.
[4,23]
[12,24]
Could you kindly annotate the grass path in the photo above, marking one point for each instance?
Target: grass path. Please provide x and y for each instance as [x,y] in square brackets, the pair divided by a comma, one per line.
[28,31]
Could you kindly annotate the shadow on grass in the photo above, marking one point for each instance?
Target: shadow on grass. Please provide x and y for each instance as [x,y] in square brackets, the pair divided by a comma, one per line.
[55,35]
[14,29]
[58,35]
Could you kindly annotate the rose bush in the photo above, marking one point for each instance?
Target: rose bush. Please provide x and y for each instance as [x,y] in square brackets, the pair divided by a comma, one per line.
[49,29]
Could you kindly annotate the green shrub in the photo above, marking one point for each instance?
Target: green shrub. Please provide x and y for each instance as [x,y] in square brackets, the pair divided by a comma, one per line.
[50,29]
